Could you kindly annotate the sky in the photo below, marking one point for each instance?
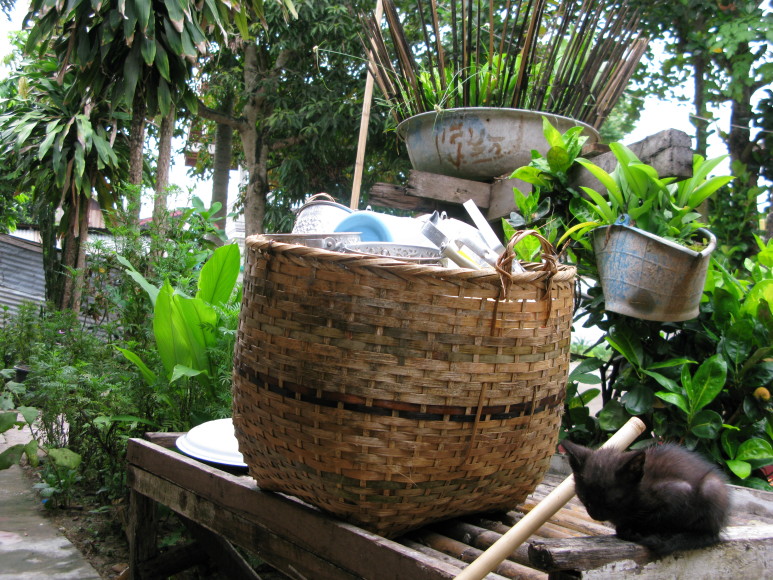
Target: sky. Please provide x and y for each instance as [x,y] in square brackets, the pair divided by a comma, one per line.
[656,116]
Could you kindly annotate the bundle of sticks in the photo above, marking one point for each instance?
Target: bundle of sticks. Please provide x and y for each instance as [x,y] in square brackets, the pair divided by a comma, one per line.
[572,57]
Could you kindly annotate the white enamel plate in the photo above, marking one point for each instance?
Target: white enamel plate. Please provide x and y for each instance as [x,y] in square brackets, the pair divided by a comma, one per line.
[213,441]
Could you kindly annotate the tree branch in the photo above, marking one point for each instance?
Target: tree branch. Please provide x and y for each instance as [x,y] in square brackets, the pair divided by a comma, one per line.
[220,117]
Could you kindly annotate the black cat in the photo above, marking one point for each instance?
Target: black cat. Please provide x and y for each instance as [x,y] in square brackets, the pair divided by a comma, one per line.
[665,497]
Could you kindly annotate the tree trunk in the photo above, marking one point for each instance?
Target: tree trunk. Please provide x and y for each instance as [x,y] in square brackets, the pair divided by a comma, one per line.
[136,145]
[221,172]
[699,120]
[255,151]
[69,257]
[164,163]
[52,268]
[80,263]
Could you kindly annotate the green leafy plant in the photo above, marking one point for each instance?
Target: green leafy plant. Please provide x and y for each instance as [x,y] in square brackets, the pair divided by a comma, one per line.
[661,206]
[187,329]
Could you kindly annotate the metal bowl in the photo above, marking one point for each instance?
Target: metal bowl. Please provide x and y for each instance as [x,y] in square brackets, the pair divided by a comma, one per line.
[404,252]
[333,241]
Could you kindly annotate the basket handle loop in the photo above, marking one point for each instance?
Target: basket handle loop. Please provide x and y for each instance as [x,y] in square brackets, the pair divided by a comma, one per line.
[505,262]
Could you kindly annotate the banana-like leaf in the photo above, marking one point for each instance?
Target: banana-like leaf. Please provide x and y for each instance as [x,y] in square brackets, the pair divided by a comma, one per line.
[218,276]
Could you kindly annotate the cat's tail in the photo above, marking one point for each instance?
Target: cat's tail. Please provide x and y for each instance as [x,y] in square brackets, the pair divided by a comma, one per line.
[664,544]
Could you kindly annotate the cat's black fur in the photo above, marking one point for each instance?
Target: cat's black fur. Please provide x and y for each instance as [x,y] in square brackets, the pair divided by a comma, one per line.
[666,497]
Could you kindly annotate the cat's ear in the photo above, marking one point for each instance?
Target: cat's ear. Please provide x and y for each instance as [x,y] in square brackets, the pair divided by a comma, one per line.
[631,469]
[577,455]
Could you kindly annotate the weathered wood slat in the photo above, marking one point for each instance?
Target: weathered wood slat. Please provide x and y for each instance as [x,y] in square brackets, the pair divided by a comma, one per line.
[448,189]
[280,517]
[466,553]
[745,552]
[297,538]
[669,152]
[280,553]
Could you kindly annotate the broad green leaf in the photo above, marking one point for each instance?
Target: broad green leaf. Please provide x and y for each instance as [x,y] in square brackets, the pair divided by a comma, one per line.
[531,175]
[63,457]
[143,10]
[195,320]
[183,371]
[558,159]
[707,382]
[627,344]
[740,468]
[606,180]
[707,190]
[148,49]
[147,374]
[552,135]
[7,420]
[11,456]
[674,399]
[612,416]
[761,291]
[29,414]
[638,400]
[600,206]
[729,442]
[31,451]
[171,341]
[219,274]
[755,449]
[131,72]
[587,396]
[161,62]
[662,380]
[706,424]
[147,286]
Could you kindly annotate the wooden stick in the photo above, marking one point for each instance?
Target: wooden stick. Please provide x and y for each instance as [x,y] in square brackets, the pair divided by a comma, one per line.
[541,513]
[359,162]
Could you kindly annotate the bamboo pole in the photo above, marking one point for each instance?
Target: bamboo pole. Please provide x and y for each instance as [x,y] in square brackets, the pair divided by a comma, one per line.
[541,513]
[359,163]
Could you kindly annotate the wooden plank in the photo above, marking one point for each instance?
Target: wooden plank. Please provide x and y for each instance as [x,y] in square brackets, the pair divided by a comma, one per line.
[448,189]
[142,532]
[669,152]
[466,553]
[288,518]
[278,552]
[593,552]
[386,195]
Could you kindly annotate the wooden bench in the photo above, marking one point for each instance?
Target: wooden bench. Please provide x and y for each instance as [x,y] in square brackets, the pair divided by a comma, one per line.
[225,509]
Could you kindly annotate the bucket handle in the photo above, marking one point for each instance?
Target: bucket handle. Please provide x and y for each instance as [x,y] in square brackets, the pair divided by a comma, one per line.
[705,252]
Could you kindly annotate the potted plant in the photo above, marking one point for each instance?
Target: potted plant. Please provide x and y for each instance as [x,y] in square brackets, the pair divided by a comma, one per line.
[652,251]
[470,104]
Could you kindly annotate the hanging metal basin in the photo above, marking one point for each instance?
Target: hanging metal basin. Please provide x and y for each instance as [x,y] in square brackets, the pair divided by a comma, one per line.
[648,277]
[479,143]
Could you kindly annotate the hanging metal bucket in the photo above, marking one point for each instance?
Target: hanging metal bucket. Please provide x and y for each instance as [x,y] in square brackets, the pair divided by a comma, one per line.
[479,143]
[648,277]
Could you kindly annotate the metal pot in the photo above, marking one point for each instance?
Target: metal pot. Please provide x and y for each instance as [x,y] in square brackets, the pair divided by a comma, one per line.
[645,276]
[479,143]
[321,213]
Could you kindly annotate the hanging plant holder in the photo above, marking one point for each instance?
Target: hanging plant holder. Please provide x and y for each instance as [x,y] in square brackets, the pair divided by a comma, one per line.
[645,276]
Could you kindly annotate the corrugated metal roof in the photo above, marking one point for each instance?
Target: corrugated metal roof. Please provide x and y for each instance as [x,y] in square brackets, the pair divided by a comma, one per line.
[21,272]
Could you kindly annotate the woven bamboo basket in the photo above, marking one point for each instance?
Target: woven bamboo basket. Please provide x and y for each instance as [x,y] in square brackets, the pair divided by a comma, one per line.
[393,394]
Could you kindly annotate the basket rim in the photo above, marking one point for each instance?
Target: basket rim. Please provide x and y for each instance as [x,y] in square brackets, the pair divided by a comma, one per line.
[534,271]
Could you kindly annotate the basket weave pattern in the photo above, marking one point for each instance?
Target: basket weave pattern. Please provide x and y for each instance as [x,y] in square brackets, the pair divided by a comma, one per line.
[394,394]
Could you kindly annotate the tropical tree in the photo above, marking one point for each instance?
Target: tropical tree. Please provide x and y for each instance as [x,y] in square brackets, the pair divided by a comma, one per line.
[137,53]
[64,151]
[298,107]
[724,47]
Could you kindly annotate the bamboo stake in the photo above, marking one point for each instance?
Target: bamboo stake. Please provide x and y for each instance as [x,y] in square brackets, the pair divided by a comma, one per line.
[542,512]
[359,162]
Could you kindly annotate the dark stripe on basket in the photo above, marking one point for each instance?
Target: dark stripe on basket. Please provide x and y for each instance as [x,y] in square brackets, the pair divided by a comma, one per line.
[401,409]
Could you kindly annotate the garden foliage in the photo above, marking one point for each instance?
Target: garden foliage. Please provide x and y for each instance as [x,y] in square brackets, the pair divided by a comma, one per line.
[704,383]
